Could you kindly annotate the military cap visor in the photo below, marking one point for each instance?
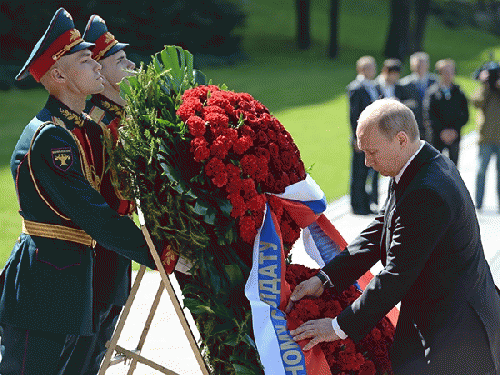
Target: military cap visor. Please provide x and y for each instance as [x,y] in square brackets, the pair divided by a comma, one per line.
[106,44]
[61,38]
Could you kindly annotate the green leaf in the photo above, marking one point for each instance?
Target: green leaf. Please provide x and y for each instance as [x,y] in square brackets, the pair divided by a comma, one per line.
[210,218]
[234,273]
[200,208]
[219,328]
[242,370]
[232,340]
[226,207]
[248,340]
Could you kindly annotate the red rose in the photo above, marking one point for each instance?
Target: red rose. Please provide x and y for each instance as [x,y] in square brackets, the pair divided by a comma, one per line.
[196,126]
[231,134]
[263,153]
[265,121]
[247,229]
[218,99]
[262,138]
[274,150]
[242,144]
[217,120]
[198,142]
[233,171]
[257,203]
[248,131]
[220,179]
[201,153]
[286,160]
[251,120]
[258,217]
[376,334]
[238,204]
[249,164]
[214,166]
[212,109]
[248,186]
[220,147]
[234,185]
[185,111]
[368,368]
[246,96]
[333,309]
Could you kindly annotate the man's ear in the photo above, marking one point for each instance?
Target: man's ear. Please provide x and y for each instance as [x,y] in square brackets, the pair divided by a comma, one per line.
[402,138]
[58,75]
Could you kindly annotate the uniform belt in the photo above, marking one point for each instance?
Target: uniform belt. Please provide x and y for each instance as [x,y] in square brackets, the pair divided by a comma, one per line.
[58,232]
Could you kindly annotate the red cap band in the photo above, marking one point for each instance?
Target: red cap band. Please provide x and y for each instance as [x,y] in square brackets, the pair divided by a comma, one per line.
[56,50]
[103,45]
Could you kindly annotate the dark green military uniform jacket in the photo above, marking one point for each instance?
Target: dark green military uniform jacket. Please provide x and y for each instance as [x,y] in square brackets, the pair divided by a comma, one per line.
[48,282]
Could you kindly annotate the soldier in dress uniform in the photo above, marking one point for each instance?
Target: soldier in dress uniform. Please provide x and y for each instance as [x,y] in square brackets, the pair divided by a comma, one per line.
[46,290]
[112,272]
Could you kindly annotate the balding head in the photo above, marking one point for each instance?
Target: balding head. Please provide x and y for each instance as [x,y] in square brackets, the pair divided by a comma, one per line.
[392,117]
[388,134]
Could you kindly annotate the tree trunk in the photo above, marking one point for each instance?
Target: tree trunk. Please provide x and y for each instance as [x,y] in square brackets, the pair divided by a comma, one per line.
[396,45]
[421,12]
[303,23]
[334,18]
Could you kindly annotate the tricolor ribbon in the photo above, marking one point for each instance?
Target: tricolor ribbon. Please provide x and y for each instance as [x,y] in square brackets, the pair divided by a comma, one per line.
[267,290]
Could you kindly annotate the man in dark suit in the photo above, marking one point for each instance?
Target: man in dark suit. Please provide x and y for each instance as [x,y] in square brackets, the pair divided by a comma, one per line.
[427,237]
[446,109]
[418,82]
[361,93]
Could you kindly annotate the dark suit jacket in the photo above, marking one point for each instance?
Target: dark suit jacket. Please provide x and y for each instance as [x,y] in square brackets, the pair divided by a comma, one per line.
[359,99]
[430,246]
[410,82]
[445,113]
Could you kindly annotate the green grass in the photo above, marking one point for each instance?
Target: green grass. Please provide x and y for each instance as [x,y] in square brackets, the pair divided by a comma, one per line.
[304,89]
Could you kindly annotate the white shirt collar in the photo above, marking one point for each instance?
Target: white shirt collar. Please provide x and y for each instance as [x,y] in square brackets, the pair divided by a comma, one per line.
[398,176]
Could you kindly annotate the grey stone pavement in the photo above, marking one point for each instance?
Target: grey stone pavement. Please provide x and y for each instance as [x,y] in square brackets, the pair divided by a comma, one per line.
[166,343]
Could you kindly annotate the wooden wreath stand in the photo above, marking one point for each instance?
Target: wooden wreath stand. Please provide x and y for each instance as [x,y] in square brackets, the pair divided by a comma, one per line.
[134,355]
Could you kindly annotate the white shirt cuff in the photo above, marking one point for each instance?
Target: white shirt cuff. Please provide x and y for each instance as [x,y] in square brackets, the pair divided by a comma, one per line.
[338,330]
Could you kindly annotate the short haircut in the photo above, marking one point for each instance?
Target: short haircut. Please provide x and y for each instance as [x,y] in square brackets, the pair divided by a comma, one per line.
[419,56]
[442,63]
[363,62]
[392,117]
[392,65]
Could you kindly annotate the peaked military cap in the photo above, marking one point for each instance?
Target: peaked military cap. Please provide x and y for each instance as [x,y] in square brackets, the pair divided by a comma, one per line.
[106,44]
[60,38]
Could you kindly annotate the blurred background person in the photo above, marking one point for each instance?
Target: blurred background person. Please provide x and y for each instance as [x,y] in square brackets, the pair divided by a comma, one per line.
[418,82]
[361,93]
[388,85]
[446,109]
[487,100]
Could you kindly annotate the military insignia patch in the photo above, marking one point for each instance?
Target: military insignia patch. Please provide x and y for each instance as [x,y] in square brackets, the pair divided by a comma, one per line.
[62,158]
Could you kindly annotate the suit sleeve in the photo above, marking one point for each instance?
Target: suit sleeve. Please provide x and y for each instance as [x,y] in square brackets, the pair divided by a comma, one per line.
[430,113]
[354,108]
[69,191]
[357,258]
[463,113]
[421,220]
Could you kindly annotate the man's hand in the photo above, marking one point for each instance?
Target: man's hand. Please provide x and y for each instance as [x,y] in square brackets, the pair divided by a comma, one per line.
[448,136]
[311,287]
[319,330]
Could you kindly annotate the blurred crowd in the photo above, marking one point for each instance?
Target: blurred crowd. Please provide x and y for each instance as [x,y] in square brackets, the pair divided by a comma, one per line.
[440,108]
